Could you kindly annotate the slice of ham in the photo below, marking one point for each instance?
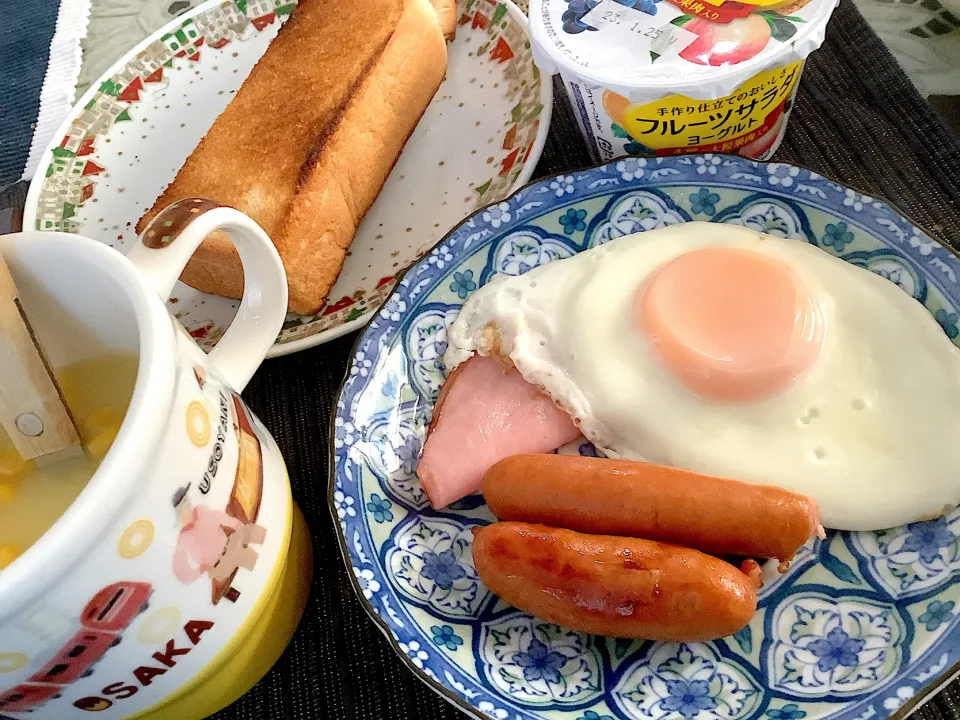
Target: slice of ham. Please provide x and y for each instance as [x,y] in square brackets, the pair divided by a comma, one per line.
[485,412]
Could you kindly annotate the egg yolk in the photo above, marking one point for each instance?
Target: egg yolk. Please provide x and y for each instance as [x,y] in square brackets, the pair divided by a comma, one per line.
[730,324]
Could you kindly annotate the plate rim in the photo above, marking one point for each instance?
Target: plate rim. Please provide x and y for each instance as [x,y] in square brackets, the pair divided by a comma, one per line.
[922,696]
[279,349]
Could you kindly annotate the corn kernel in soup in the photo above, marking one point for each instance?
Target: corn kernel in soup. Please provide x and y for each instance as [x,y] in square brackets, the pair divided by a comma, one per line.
[32,498]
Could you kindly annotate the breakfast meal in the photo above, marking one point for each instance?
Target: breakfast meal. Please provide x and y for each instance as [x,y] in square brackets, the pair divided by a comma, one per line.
[33,495]
[307,164]
[720,350]
[742,388]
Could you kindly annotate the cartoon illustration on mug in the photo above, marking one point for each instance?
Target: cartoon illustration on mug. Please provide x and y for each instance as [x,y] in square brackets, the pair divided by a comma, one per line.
[105,617]
[216,542]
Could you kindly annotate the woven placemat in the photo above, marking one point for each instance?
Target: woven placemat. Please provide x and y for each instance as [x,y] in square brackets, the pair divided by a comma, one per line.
[25,48]
[857,119]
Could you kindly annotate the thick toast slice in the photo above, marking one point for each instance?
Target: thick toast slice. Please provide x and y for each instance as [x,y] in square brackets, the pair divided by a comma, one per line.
[447,16]
[313,114]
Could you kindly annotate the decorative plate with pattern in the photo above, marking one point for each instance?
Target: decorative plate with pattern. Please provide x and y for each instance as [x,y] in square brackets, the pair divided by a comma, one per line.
[862,625]
[131,131]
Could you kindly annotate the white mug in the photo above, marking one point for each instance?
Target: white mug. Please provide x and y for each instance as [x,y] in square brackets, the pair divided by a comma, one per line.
[177,576]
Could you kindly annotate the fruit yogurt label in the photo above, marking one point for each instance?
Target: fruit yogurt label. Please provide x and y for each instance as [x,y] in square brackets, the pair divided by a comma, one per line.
[748,122]
[667,77]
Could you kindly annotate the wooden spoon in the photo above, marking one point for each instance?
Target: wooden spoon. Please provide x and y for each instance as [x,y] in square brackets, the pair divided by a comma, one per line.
[32,408]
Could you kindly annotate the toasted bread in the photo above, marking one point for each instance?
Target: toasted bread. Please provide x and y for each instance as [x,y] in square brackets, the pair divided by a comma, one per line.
[447,16]
[307,143]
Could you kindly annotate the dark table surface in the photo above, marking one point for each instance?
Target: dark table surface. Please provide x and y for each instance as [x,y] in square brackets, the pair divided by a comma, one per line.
[857,119]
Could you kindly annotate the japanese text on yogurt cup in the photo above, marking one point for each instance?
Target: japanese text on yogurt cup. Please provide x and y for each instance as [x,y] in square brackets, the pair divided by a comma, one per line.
[666,77]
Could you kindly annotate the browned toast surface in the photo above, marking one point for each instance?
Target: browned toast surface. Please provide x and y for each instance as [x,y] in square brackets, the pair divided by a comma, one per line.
[337,192]
[447,17]
[308,140]
[252,155]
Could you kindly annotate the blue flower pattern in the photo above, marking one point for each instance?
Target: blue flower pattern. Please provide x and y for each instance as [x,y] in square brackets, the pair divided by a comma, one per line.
[707,164]
[914,558]
[445,636]
[680,680]
[408,452]
[704,202]
[573,221]
[837,236]
[524,250]
[948,321]
[497,215]
[937,613]
[429,562]
[790,711]
[782,175]
[463,284]
[442,568]
[928,539]
[539,662]
[631,168]
[837,647]
[688,697]
[562,185]
[380,508]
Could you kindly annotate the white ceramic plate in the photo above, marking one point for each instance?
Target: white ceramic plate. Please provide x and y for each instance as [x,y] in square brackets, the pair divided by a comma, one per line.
[131,131]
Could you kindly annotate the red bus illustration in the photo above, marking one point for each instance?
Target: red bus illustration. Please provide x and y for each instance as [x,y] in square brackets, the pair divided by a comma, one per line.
[24,697]
[112,609]
[107,614]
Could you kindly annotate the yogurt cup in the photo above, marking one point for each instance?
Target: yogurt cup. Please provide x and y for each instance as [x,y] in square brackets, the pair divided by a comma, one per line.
[669,77]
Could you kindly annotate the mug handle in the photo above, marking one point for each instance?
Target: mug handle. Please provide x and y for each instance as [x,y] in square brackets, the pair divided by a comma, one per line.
[171,238]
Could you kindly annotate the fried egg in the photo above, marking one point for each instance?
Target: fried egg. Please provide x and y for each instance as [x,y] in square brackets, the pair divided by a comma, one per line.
[728,352]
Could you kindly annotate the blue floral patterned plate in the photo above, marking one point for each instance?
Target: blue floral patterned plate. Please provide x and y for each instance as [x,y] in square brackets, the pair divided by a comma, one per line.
[863,625]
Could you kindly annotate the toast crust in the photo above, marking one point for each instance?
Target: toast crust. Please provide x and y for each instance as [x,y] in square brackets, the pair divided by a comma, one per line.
[311,136]
[357,158]
[447,17]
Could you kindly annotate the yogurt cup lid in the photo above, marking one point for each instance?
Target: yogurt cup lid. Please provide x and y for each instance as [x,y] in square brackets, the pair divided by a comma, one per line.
[703,49]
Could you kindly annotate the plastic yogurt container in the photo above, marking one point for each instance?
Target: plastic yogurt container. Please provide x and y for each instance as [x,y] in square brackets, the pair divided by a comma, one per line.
[668,77]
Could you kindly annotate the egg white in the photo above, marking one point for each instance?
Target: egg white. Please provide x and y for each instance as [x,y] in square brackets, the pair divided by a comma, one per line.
[871,431]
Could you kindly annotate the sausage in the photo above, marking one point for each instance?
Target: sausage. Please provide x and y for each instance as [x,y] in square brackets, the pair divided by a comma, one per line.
[613,586]
[625,497]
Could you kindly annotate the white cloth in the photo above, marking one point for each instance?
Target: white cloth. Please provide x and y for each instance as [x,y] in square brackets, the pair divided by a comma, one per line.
[932,63]
[117,25]
[60,80]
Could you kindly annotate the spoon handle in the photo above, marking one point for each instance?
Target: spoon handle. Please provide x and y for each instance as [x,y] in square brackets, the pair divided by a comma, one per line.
[32,409]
